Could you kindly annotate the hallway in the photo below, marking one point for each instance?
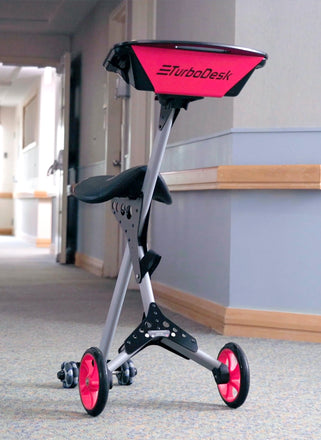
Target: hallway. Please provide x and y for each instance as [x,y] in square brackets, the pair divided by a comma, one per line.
[51,313]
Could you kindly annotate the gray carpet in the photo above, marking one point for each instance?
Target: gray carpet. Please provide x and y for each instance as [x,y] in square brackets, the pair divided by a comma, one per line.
[51,313]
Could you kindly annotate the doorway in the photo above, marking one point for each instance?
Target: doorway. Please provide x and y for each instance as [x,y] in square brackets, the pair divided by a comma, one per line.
[27,95]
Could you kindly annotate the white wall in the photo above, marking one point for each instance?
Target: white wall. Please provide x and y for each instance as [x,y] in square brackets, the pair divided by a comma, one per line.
[33,216]
[6,165]
[205,20]
[286,92]
[26,166]
[32,162]
[7,115]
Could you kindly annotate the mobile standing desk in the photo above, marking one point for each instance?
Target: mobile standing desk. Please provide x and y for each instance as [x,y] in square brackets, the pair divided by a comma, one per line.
[178,72]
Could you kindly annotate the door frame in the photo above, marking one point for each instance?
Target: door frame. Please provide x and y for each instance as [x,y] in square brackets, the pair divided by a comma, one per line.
[40,61]
[130,20]
[63,111]
[113,107]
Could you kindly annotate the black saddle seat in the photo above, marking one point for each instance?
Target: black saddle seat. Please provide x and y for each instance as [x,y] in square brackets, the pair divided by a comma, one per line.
[99,189]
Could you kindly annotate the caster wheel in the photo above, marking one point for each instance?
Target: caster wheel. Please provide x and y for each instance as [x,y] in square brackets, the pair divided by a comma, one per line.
[235,391]
[126,373]
[68,374]
[93,381]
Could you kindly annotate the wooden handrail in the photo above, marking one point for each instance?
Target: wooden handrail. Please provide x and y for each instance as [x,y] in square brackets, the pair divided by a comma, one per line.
[246,177]
[32,195]
[6,195]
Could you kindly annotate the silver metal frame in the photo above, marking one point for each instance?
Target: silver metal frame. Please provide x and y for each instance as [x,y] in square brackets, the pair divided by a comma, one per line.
[145,285]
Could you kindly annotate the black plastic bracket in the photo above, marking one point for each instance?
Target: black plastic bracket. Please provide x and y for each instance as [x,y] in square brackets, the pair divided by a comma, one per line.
[221,374]
[176,102]
[128,214]
[155,328]
[149,262]
[164,115]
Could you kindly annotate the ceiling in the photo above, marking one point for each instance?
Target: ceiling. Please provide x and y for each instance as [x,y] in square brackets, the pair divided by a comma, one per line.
[15,81]
[45,17]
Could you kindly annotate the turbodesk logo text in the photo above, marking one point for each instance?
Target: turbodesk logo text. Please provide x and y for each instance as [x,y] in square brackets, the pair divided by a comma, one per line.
[170,70]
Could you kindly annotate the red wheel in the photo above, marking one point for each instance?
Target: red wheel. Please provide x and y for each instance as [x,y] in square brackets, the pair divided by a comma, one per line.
[235,391]
[93,383]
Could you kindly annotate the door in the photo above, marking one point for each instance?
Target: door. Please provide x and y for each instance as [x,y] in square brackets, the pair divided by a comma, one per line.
[62,152]
[73,158]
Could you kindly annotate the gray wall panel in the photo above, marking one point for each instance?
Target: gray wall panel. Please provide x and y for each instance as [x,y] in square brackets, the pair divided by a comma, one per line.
[246,147]
[275,251]
[192,235]
[274,147]
[204,152]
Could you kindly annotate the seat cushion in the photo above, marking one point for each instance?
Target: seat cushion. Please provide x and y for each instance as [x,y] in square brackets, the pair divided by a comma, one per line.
[99,189]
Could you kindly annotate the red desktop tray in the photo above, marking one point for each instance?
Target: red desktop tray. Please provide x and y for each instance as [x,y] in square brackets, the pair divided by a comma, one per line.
[184,68]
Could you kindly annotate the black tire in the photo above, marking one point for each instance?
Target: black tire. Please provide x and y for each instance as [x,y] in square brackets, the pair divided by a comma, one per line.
[93,381]
[68,374]
[235,392]
[126,373]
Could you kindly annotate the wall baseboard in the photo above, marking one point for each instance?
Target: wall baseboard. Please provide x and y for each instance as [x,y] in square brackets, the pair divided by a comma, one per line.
[200,310]
[43,242]
[240,322]
[6,231]
[90,264]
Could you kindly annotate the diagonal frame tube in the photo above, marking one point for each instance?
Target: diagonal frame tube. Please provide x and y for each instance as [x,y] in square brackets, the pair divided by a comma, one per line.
[154,166]
[125,271]
[116,304]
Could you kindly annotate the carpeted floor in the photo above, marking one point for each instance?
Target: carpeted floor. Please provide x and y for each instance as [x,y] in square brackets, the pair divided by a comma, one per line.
[51,313]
